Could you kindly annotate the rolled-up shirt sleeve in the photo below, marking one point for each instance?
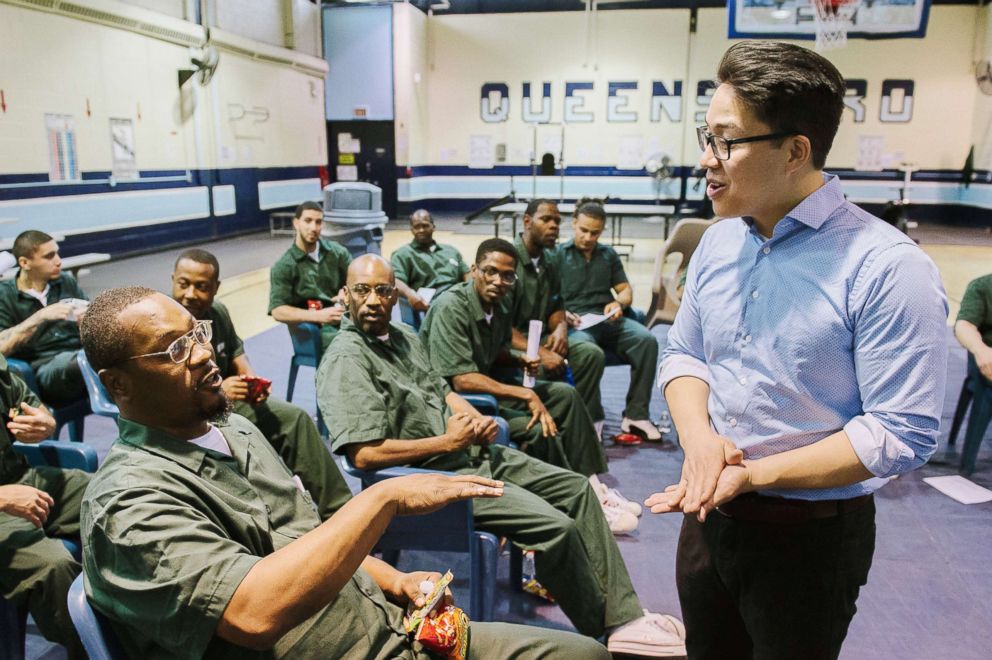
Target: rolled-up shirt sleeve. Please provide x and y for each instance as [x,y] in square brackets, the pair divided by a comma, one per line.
[684,354]
[899,310]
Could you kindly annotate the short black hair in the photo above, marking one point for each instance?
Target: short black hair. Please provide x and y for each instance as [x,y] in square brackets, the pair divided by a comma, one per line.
[28,241]
[495,245]
[789,88]
[535,204]
[107,343]
[307,206]
[200,257]
[421,212]
[590,207]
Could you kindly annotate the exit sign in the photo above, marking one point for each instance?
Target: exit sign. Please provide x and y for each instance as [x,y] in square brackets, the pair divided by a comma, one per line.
[361,111]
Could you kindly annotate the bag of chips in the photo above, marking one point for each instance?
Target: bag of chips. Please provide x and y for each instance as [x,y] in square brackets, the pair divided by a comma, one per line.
[442,630]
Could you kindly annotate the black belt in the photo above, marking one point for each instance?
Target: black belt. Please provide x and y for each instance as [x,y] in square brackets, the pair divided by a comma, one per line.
[752,507]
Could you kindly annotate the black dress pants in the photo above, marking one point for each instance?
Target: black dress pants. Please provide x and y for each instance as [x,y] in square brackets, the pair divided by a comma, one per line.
[772,590]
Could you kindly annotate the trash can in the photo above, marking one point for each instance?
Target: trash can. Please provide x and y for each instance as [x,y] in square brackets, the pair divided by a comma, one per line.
[353,216]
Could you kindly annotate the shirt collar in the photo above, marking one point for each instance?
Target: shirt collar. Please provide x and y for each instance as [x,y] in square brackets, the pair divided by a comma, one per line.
[347,325]
[815,209]
[300,255]
[424,248]
[472,296]
[158,442]
[524,255]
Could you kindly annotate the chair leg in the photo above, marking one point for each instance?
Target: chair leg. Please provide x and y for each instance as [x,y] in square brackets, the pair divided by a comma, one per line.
[964,400]
[76,429]
[13,626]
[293,368]
[483,587]
[516,567]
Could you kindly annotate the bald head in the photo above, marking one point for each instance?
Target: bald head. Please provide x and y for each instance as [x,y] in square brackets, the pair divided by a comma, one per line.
[371,294]
[422,227]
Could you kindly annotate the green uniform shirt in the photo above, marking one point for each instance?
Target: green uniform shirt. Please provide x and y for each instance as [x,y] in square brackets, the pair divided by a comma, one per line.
[537,293]
[585,285]
[226,342]
[296,278]
[370,389]
[51,338]
[13,392]
[170,530]
[457,335]
[435,266]
[976,306]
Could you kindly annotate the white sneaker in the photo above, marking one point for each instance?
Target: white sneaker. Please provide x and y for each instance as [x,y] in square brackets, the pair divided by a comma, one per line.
[620,521]
[642,427]
[653,635]
[611,497]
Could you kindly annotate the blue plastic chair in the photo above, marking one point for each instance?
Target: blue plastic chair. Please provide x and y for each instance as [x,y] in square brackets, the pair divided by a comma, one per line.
[67,455]
[72,414]
[452,529]
[94,629]
[306,353]
[100,402]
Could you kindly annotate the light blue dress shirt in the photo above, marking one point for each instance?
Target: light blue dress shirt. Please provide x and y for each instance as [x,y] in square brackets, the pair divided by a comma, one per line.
[838,321]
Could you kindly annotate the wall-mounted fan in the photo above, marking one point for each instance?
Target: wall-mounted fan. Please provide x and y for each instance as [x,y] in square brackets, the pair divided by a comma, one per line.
[983,76]
[660,167]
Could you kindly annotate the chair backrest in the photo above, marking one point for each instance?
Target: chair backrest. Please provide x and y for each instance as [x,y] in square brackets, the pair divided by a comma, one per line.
[94,629]
[100,401]
[683,241]
[306,342]
[24,370]
[68,455]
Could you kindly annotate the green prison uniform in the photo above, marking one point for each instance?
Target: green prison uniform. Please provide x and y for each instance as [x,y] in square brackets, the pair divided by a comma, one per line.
[976,306]
[35,568]
[170,530]
[296,278]
[585,288]
[52,349]
[536,296]
[460,341]
[435,266]
[288,428]
[372,389]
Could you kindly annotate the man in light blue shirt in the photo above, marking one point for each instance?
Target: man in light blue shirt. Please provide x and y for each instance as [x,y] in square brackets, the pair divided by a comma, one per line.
[806,366]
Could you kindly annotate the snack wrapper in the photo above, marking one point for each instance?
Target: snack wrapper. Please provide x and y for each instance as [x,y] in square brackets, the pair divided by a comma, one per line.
[443,632]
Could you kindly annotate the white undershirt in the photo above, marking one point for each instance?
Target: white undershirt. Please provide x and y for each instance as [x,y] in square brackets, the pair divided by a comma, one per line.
[315,255]
[213,439]
[41,296]
[489,318]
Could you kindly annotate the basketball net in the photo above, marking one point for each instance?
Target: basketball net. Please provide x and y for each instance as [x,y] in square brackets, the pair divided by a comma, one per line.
[833,20]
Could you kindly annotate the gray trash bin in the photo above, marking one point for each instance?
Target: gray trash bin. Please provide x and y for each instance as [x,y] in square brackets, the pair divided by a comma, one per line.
[353,216]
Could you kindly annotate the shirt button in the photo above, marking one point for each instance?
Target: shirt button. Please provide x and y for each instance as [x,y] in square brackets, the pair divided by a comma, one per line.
[754,294]
[767,250]
[742,380]
[732,421]
[747,339]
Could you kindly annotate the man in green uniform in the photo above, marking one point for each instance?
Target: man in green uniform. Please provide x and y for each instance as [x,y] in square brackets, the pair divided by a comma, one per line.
[973,330]
[304,283]
[38,318]
[424,263]
[388,406]
[537,296]
[37,505]
[198,542]
[590,273]
[288,428]
[467,334]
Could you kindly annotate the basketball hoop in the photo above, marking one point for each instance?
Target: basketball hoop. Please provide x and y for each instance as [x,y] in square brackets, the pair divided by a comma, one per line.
[833,20]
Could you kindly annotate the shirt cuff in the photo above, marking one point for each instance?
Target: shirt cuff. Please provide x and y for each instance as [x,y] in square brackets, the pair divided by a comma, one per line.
[676,366]
[879,450]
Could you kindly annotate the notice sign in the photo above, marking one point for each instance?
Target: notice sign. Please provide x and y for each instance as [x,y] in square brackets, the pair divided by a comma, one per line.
[346,159]
[125,166]
[62,162]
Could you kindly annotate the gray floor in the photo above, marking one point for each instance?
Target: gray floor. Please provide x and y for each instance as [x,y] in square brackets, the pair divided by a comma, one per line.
[930,590]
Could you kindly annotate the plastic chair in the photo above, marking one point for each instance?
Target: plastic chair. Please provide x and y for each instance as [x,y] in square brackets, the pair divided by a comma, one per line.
[673,259]
[306,353]
[452,529]
[100,402]
[964,400]
[94,629]
[67,455]
[978,421]
[72,414]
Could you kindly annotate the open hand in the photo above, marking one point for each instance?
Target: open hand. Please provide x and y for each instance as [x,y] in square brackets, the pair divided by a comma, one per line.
[417,494]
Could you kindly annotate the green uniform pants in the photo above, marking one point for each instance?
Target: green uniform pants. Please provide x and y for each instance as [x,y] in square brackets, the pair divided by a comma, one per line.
[576,447]
[587,362]
[634,345]
[496,641]
[35,569]
[556,513]
[293,434]
[60,379]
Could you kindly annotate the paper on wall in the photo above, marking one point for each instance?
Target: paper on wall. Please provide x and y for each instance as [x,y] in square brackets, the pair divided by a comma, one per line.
[480,152]
[871,151]
[629,153]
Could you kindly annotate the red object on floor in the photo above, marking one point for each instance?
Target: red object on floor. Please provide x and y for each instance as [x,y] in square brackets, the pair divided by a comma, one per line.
[627,439]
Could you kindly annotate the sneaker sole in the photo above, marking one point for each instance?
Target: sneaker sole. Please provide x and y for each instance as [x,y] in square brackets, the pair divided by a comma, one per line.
[646,650]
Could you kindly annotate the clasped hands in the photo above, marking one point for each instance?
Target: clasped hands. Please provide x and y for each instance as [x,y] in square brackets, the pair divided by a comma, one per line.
[713,473]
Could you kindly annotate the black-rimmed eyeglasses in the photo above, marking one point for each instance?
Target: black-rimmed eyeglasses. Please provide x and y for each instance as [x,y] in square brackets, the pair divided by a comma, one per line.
[721,145]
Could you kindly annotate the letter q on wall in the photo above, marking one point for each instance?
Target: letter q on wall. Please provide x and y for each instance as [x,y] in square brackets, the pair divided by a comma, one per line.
[494,106]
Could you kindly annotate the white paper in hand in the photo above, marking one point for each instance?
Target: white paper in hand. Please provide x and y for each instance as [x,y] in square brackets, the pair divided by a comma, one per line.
[589,320]
[426,293]
[533,347]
